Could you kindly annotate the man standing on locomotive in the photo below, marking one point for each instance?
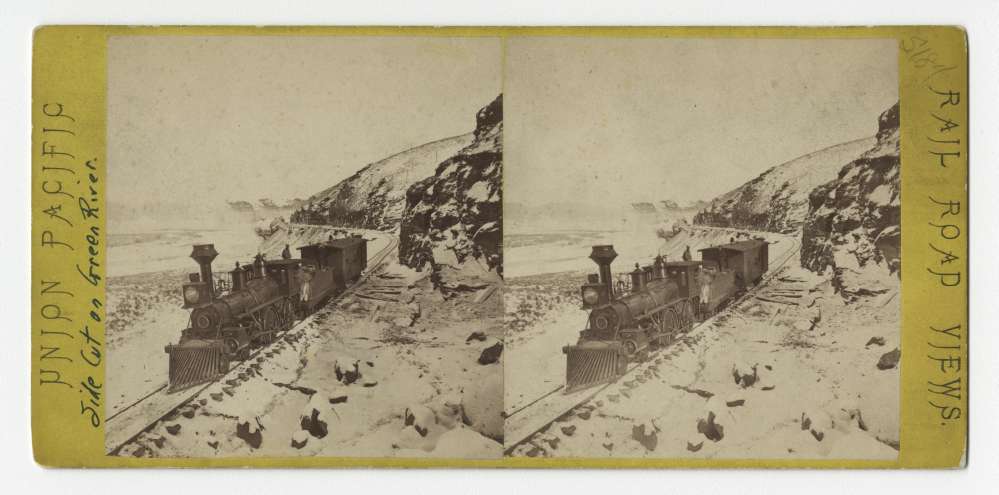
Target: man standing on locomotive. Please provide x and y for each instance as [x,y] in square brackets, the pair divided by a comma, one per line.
[305,290]
[704,279]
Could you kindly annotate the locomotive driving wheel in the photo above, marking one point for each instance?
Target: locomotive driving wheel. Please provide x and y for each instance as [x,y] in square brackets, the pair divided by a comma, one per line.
[674,327]
[688,316]
[269,324]
[285,315]
[659,325]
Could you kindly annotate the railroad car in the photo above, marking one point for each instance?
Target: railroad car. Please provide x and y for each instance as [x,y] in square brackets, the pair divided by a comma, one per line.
[663,300]
[236,311]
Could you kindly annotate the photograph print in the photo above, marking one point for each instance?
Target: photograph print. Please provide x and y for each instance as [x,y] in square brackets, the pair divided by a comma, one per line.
[702,248]
[305,247]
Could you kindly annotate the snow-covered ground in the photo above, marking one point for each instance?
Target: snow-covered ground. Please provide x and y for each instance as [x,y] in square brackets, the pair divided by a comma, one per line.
[389,371]
[822,375]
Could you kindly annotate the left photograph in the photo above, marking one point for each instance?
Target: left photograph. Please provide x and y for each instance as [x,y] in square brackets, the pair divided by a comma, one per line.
[305,246]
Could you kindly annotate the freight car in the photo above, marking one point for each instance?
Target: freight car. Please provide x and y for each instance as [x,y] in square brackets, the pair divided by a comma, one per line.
[662,301]
[235,311]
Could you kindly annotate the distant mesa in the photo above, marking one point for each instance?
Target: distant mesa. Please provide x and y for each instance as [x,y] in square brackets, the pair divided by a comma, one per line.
[644,207]
[266,205]
[241,206]
[668,206]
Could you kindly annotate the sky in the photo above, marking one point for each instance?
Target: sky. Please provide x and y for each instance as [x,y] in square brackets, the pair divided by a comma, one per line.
[200,120]
[626,120]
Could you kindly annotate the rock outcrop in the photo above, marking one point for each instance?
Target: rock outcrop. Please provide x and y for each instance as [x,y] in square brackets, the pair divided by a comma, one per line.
[853,223]
[777,200]
[375,196]
[456,214]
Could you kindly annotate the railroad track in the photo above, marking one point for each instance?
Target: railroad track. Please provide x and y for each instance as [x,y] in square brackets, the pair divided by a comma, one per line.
[537,415]
[127,424]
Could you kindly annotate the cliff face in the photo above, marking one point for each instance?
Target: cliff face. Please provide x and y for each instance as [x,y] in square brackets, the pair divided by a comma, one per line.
[375,196]
[777,200]
[456,214]
[854,221]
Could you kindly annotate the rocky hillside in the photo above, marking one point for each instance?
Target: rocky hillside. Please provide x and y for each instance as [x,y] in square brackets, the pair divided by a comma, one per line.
[777,200]
[375,196]
[853,223]
[456,213]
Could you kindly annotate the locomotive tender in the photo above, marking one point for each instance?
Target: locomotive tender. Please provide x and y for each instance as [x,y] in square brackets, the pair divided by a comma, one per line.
[662,301]
[233,312]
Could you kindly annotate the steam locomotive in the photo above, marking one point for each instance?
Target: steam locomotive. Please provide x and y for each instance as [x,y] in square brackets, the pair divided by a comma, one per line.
[661,301]
[236,311]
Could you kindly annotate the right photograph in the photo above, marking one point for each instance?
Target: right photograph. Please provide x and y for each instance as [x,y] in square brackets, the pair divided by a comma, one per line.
[702,248]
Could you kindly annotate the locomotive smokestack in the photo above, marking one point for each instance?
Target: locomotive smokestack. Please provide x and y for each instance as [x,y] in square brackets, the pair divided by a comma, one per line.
[204,254]
[603,256]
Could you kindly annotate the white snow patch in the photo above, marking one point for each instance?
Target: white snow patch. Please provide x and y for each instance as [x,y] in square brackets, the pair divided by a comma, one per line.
[881,195]
[479,192]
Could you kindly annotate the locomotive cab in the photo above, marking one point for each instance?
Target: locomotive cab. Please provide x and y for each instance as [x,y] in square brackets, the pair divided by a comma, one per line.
[684,274]
[747,260]
[285,273]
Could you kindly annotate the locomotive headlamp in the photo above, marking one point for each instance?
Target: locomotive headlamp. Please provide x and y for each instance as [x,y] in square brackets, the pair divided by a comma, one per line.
[196,294]
[203,321]
[191,294]
[601,322]
[593,295]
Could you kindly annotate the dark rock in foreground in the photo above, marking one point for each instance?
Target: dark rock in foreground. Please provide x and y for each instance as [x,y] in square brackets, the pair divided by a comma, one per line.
[889,359]
[713,431]
[249,433]
[491,354]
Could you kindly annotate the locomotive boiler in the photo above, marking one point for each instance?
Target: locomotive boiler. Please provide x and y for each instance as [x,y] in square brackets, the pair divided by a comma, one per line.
[236,311]
[661,301]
